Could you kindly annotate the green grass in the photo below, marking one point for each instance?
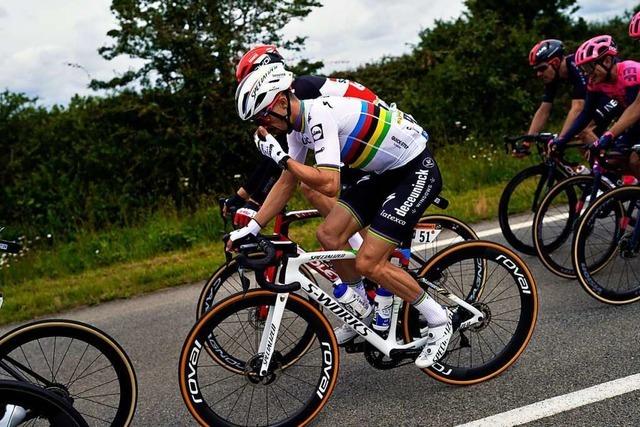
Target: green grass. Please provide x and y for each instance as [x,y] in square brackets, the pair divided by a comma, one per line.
[169,249]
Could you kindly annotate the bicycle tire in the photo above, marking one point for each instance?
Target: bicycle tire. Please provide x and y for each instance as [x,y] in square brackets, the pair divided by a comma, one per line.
[556,255]
[99,346]
[523,288]
[463,232]
[522,241]
[614,238]
[39,404]
[193,376]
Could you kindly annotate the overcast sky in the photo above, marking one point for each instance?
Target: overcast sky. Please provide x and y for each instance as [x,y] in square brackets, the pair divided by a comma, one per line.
[39,38]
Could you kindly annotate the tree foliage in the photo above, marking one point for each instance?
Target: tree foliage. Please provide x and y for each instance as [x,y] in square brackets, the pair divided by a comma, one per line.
[167,133]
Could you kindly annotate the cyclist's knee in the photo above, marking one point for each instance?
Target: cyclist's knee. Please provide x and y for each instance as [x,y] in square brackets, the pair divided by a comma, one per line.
[587,136]
[329,240]
[369,266]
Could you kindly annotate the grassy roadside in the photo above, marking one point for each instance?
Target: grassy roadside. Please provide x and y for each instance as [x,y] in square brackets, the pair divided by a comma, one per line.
[171,249]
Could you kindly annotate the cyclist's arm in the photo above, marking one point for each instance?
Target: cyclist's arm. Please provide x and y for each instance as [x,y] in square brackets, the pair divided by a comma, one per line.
[323,180]
[577,105]
[540,118]
[324,177]
[630,116]
[277,198]
[583,119]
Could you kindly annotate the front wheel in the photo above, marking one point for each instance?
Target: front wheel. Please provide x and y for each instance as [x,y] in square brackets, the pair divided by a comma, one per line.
[519,202]
[79,363]
[224,393]
[556,221]
[609,231]
[507,296]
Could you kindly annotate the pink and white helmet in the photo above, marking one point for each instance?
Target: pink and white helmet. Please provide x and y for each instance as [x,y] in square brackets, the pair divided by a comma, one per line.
[595,48]
[634,26]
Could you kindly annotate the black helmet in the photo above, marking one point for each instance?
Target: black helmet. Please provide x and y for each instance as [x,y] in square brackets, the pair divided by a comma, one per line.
[545,51]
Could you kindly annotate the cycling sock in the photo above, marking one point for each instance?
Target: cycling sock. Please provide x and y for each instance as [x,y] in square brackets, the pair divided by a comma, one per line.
[358,287]
[355,241]
[435,314]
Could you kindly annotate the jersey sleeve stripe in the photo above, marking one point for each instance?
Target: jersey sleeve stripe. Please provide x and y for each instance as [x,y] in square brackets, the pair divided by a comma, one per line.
[328,167]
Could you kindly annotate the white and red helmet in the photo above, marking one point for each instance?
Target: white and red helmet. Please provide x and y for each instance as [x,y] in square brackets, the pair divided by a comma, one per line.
[634,26]
[260,55]
[259,89]
[596,48]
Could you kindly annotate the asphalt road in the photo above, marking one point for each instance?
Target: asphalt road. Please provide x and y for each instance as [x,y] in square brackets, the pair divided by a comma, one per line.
[578,343]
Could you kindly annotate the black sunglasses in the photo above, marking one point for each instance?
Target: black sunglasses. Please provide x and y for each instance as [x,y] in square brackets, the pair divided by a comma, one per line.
[540,68]
[589,67]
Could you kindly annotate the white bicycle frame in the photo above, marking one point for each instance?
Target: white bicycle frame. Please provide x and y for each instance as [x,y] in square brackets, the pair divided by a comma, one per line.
[293,274]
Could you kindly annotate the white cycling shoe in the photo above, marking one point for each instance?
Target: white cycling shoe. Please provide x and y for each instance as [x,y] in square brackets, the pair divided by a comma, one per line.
[346,333]
[437,343]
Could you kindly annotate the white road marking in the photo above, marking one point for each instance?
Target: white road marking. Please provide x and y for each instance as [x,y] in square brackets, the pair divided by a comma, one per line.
[558,404]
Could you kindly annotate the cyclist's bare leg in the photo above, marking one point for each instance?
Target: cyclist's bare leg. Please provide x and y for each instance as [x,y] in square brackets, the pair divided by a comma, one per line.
[373,262]
[322,203]
[588,136]
[334,233]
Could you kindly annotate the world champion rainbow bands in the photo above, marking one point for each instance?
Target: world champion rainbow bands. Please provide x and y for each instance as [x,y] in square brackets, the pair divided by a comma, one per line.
[363,142]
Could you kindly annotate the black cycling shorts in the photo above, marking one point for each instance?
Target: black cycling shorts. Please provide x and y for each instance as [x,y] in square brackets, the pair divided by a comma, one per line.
[391,203]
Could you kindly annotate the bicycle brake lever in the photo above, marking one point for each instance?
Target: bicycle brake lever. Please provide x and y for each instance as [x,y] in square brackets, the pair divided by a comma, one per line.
[244,280]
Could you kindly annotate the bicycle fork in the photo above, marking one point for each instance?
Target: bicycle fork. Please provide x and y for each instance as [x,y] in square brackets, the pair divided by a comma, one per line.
[272,325]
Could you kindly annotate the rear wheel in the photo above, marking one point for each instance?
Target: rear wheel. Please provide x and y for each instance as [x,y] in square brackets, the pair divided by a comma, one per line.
[609,230]
[434,233]
[506,294]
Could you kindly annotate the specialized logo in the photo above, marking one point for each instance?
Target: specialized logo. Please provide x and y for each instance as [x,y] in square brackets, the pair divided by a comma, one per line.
[364,178]
[389,197]
[415,193]
[428,163]
[306,140]
[316,132]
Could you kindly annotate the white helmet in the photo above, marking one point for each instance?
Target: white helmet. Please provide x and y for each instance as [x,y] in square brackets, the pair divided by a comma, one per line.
[260,87]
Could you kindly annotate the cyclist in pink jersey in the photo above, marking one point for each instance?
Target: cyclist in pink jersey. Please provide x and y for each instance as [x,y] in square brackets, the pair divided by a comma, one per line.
[609,77]
[554,68]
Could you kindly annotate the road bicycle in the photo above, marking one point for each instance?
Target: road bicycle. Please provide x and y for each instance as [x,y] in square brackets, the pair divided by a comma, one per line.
[528,188]
[560,211]
[275,358]
[65,373]
[432,234]
[609,230]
